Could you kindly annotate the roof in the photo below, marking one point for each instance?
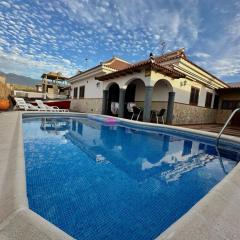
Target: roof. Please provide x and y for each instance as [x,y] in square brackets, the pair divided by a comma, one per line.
[234,85]
[154,63]
[181,54]
[206,71]
[171,56]
[114,63]
[137,67]
[54,76]
[158,61]
[229,90]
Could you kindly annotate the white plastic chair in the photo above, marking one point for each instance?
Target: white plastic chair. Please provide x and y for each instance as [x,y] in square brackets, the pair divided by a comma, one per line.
[160,114]
[130,106]
[114,107]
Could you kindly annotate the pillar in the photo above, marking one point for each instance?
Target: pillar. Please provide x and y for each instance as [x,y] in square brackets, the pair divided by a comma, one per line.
[171,97]
[104,102]
[147,103]
[121,102]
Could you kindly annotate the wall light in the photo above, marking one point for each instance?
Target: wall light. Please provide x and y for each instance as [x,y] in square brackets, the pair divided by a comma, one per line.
[183,83]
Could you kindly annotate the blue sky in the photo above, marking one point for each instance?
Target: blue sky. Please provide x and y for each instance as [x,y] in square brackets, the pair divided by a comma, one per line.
[42,35]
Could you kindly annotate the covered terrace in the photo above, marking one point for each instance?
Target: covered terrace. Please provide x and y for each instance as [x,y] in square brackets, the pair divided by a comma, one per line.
[147,84]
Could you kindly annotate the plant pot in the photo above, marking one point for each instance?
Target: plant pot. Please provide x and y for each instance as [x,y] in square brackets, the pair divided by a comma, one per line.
[4,104]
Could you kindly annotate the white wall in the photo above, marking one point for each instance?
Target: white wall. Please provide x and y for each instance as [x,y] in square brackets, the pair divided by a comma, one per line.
[140,91]
[203,94]
[92,90]
[161,90]
[183,92]
[123,81]
[182,87]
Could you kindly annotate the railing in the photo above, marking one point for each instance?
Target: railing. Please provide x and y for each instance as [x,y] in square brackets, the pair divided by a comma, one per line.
[225,125]
[19,93]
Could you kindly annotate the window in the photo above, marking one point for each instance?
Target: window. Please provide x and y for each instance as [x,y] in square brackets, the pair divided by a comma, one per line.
[208,102]
[226,104]
[216,102]
[81,92]
[194,96]
[75,92]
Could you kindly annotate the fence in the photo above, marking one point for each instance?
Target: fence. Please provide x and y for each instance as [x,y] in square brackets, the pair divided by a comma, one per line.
[4,91]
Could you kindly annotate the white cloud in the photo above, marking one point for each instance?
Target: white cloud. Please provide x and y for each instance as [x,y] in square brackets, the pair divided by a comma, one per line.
[35,66]
[94,29]
[5,4]
[201,55]
[141,19]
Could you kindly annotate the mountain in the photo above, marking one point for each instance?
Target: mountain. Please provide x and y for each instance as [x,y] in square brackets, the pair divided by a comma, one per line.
[19,79]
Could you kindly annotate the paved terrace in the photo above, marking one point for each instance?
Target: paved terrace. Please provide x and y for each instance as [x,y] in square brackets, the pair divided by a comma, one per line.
[216,128]
[215,217]
[17,221]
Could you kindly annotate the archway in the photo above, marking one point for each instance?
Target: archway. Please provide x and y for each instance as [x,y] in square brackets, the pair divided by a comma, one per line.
[113,96]
[160,94]
[135,93]
[163,98]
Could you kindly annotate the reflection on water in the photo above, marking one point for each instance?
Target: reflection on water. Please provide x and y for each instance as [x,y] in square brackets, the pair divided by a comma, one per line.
[54,125]
[140,154]
[115,182]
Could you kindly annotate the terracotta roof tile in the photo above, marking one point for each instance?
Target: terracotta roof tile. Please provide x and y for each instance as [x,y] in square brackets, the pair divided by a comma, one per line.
[138,67]
[156,64]
[170,56]
[116,64]
[234,84]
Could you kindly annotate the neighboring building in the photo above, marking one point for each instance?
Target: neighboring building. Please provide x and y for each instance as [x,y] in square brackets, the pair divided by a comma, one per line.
[55,85]
[229,99]
[171,81]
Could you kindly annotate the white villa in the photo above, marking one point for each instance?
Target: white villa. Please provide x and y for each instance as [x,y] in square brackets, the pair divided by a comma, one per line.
[171,81]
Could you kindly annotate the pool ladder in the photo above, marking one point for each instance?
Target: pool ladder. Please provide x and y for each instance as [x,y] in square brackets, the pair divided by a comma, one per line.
[225,125]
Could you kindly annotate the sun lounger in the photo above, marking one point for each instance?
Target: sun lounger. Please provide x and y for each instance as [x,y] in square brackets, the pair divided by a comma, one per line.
[22,105]
[45,107]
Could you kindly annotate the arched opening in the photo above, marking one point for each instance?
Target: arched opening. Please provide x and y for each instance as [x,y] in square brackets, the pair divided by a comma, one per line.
[113,97]
[163,101]
[135,93]
[160,94]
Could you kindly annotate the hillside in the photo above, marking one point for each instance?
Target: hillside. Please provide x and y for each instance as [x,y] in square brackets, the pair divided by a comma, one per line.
[19,79]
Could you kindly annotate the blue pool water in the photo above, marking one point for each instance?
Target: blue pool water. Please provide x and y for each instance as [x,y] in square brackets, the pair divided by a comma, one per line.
[107,181]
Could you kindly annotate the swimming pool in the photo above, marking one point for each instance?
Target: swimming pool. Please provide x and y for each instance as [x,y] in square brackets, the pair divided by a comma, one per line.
[98,180]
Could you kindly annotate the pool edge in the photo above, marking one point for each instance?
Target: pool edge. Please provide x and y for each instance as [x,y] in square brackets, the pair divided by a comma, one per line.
[17,221]
[193,225]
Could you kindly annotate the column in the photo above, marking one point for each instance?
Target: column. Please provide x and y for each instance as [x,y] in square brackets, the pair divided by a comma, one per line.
[147,103]
[171,97]
[104,102]
[121,102]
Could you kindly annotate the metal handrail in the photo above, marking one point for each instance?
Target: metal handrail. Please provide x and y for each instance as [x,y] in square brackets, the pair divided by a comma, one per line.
[225,125]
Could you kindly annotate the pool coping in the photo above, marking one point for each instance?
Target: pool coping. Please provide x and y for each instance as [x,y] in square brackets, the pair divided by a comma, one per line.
[215,216]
